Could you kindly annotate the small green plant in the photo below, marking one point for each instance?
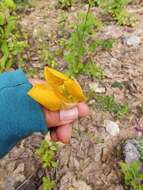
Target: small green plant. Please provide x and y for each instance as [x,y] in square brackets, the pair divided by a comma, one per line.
[108,103]
[47,184]
[117,8]
[97,2]
[118,85]
[101,43]
[77,43]
[46,56]
[82,45]
[11,44]
[65,3]
[91,69]
[132,175]
[77,46]
[46,152]
[24,4]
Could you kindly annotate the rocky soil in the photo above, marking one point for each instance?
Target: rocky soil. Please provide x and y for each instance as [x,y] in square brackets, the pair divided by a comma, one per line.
[89,162]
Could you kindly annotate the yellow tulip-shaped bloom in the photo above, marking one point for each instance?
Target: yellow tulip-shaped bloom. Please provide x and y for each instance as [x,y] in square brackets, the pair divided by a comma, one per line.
[58,91]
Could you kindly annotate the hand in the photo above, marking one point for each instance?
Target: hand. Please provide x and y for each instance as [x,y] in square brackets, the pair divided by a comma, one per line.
[60,122]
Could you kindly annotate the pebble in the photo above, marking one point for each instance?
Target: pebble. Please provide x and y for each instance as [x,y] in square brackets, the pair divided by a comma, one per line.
[19,169]
[130,151]
[132,40]
[104,155]
[81,185]
[119,187]
[111,127]
[9,183]
[19,178]
[96,87]
[91,102]
[11,166]
[71,188]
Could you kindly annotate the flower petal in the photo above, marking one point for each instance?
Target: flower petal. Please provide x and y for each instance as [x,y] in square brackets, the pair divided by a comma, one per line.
[75,90]
[45,95]
[53,76]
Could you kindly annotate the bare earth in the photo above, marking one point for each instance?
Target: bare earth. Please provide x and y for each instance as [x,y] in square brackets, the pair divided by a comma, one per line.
[90,161]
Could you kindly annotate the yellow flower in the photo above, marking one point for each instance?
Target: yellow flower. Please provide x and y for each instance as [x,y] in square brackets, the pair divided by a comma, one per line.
[57,92]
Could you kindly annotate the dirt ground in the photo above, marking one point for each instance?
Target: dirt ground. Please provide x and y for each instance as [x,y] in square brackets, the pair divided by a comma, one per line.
[89,162]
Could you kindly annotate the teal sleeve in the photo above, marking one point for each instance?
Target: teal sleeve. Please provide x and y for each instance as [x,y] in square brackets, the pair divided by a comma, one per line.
[20,115]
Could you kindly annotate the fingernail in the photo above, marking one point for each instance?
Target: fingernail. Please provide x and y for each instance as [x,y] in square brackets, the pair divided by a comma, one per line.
[69,114]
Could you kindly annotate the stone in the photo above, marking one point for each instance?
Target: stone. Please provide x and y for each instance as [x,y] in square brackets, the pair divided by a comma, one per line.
[19,178]
[104,155]
[131,152]
[19,169]
[119,187]
[111,31]
[11,166]
[132,40]
[111,127]
[81,185]
[91,102]
[9,183]
[71,188]
[96,87]
[66,180]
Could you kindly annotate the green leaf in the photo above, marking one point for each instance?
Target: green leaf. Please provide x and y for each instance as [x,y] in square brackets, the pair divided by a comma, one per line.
[47,152]
[9,64]
[3,61]
[118,85]
[11,24]
[108,103]
[92,69]
[10,4]
[54,164]
[4,48]
[2,19]
[17,47]
[132,174]
[47,184]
